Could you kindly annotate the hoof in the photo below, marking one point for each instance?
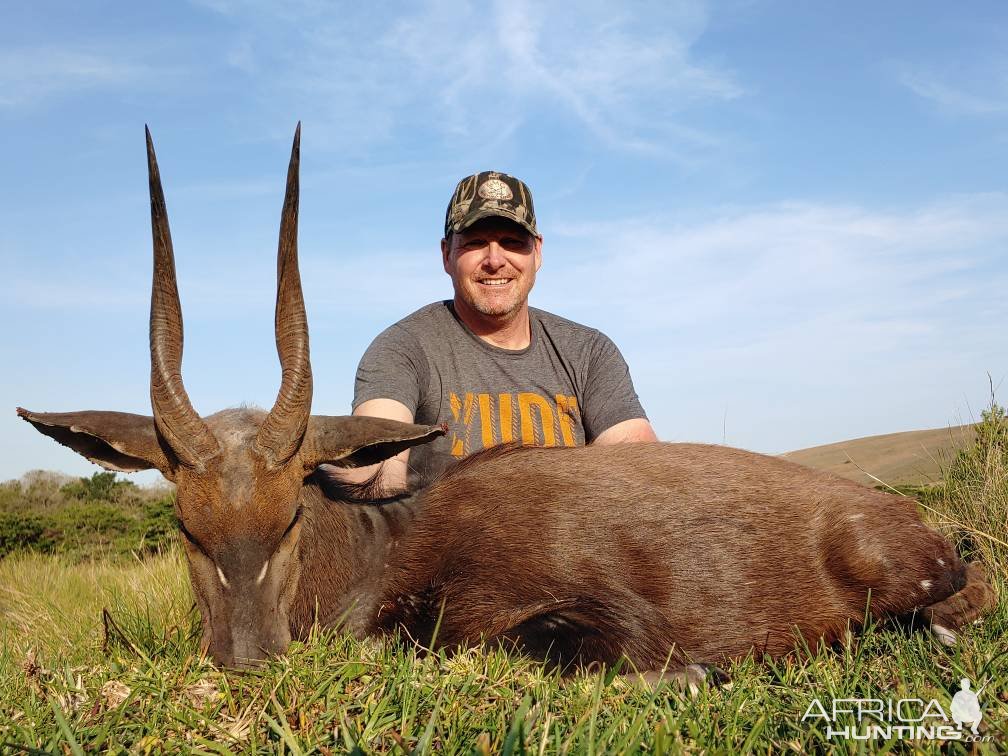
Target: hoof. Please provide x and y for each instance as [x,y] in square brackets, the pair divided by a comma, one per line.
[691,678]
[945,636]
[707,674]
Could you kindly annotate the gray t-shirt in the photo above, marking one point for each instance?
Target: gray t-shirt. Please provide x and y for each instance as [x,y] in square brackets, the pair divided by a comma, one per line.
[565,388]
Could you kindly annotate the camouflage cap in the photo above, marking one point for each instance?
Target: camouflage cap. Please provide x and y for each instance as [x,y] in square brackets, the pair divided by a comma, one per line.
[487,194]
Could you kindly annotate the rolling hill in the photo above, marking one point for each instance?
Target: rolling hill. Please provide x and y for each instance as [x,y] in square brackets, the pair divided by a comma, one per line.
[909,458]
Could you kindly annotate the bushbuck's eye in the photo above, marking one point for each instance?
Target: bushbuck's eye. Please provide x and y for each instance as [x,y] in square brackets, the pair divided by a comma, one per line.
[293,522]
[192,539]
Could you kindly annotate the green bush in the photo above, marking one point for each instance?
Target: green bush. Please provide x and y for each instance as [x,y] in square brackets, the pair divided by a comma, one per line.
[972,502]
[159,525]
[94,517]
[20,530]
[37,491]
[101,486]
[84,518]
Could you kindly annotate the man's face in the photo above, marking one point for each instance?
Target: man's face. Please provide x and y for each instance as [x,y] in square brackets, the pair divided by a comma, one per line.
[492,265]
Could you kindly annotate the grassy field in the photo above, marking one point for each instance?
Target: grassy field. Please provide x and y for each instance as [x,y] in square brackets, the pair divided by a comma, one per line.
[102,655]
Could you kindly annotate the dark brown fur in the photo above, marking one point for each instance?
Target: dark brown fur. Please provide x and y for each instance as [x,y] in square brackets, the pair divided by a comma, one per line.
[643,551]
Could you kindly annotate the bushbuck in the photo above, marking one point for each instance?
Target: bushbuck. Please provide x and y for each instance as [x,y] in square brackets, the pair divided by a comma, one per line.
[665,556]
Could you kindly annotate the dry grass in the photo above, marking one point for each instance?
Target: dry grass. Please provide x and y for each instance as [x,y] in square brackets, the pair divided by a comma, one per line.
[53,604]
[913,458]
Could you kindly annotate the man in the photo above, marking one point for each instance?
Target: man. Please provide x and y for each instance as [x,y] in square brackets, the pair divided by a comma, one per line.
[485,363]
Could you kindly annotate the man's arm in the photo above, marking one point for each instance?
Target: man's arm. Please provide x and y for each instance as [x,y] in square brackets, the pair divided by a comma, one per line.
[394,365]
[393,470]
[610,401]
[629,431]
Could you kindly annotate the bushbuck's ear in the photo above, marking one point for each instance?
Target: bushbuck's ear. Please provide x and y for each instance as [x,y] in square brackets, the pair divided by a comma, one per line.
[355,441]
[117,441]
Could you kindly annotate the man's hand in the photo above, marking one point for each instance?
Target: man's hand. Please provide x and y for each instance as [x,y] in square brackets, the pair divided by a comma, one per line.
[629,431]
[393,470]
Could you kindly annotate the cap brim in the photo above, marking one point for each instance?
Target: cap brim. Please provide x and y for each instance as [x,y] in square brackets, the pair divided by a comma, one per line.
[494,213]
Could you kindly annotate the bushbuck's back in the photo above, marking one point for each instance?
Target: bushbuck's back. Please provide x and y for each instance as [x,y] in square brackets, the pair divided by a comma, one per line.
[712,550]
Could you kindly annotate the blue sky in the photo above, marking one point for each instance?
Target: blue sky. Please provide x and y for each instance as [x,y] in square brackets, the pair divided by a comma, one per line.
[792,218]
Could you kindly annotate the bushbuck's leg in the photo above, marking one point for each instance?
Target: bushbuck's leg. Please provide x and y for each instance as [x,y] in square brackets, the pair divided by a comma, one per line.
[909,569]
[691,678]
[963,606]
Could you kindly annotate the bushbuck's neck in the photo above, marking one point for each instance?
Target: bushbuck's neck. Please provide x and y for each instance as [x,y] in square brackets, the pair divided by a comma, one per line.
[344,550]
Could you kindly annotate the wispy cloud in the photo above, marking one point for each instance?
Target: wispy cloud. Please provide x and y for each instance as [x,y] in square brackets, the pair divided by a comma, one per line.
[597,65]
[477,72]
[785,262]
[812,321]
[980,91]
[759,269]
[31,74]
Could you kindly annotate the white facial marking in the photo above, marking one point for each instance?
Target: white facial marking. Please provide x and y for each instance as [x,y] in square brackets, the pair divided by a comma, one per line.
[926,585]
[262,573]
[946,636]
[223,579]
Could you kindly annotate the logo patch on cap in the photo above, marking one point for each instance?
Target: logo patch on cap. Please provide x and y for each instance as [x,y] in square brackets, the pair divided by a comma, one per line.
[487,194]
[495,189]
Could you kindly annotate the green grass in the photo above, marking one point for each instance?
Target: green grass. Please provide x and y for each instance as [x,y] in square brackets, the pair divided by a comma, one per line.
[71,683]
